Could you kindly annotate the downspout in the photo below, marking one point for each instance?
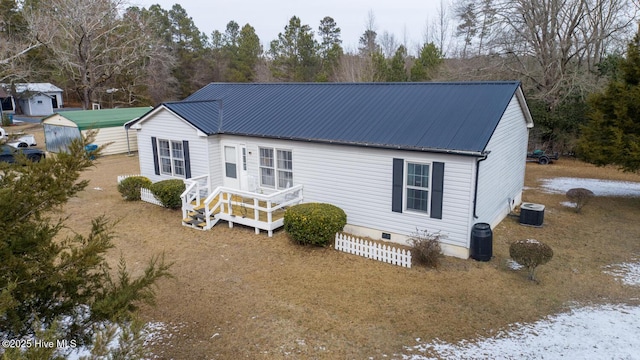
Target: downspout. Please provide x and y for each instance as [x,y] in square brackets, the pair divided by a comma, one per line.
[475,190]
[126,131]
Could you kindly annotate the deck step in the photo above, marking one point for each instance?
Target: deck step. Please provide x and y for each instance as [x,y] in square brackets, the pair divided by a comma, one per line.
[195,222]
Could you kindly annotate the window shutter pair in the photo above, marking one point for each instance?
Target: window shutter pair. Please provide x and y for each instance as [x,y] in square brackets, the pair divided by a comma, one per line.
[437,187]
[185,150]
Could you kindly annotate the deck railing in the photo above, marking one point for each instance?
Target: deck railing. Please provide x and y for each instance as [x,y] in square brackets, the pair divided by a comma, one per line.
[232,206]
[195,189]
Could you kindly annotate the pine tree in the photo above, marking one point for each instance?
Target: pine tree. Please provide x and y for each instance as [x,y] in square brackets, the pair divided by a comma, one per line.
[330,49]
[294,53]
[397,70]
[45,279]
[612,135]
[427,63]
[245,57]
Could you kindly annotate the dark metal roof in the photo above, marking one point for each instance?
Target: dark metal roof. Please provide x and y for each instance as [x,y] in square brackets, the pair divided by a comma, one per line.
[458,117]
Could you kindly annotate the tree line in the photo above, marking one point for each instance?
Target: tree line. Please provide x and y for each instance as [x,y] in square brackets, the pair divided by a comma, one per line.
[109,52]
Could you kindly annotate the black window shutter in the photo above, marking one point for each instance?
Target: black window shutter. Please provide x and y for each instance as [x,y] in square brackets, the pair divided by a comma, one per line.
[156,163]
[396,194]
[437,187]
[187,159]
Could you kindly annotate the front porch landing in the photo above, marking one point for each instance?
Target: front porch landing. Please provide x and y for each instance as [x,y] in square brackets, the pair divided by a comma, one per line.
[202,209]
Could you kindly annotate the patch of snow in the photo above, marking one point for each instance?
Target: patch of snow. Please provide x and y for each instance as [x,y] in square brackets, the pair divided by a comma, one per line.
[628,273]
[568,204]
[513,265]
[599,332]
[599,187]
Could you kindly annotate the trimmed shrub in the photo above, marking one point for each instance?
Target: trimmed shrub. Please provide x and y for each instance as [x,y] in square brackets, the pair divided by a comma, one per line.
[579,196]
[168,192]
[425,248]
[314,223]
[129,188]
[530,253]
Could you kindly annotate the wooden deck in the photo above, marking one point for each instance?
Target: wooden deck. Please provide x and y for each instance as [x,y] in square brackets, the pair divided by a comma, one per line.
[257,210]
[239,209]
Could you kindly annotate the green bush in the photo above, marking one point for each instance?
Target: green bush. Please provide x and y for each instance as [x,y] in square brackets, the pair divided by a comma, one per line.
[425,248]
[530,253]
[168,192]
[129,188]
[314,223]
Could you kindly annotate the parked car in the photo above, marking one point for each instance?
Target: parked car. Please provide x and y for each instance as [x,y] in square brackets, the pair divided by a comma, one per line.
[29,139]
[25,140]
[9,153]
[18,144]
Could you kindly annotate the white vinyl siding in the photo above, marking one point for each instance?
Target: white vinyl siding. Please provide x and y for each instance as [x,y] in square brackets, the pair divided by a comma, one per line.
[501,175]
[164,125]
[359,180]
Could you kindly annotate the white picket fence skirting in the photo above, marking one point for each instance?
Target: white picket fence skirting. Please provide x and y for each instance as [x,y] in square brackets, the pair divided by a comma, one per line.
[373,250]
[122,177]
[147,195]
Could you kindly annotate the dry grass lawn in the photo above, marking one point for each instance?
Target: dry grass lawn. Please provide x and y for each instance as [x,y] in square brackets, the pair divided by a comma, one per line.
[236,294]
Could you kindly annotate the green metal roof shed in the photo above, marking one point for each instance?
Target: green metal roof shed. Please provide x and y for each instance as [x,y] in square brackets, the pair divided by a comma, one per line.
[63,127]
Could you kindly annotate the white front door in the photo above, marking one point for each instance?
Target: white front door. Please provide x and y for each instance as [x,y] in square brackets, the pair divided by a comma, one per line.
[230,157]
[235,166]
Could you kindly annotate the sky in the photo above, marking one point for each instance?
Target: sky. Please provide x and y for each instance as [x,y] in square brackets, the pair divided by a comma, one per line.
[403,18]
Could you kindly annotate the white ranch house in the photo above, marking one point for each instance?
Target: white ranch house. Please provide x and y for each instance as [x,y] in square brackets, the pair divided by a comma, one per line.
[395,157]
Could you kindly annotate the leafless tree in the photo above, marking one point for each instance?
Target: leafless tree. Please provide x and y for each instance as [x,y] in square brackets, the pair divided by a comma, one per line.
[12,65]
[92,43]
[389,44]
[551,43]
[438,31]
[355,68]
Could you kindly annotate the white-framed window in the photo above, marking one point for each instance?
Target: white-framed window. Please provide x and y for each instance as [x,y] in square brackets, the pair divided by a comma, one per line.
[171,156]
[230,162]
[276,168]
[285,168]
[417,187]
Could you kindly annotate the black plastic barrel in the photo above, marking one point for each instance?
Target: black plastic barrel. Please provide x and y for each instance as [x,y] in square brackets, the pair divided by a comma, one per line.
[481,242]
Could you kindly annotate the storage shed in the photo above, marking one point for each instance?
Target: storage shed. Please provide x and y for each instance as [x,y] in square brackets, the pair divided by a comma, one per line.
[61,128]
[35,99]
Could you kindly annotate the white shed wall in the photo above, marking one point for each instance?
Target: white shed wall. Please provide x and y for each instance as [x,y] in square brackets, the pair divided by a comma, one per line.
[165,125]
[359,180]
[37,105]
[58,120]
[117,136]
[501,176]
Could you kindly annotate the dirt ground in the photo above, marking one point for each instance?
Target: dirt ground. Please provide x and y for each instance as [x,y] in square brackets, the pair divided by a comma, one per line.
[236,294]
